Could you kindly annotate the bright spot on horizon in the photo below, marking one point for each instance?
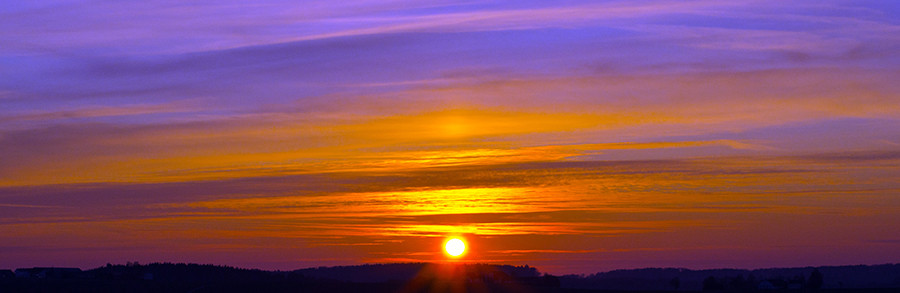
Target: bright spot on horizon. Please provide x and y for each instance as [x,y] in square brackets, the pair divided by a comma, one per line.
[455,247]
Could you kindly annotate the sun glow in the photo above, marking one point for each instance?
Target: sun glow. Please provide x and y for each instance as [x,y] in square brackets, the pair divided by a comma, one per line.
[455,247]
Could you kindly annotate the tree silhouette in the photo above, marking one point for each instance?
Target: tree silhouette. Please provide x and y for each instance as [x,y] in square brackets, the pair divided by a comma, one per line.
[711,284]
[738,282]
[675,283]
[815,280]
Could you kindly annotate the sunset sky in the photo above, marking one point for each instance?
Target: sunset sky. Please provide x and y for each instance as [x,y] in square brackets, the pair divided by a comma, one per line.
[574,136]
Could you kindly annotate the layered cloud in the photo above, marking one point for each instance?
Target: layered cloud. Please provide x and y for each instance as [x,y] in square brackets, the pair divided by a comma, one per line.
[608,209]
[536,119]
[642,133]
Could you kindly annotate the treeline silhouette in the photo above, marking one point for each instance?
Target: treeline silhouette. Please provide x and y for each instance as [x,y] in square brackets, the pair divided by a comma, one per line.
[156,277]
[430,277]
[397,272]
[804,279]
[181,277]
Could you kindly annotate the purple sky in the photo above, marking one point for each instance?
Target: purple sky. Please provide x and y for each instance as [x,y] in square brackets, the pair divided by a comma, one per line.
[575,136]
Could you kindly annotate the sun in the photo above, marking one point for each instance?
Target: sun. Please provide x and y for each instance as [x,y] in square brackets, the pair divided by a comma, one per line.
[455,247]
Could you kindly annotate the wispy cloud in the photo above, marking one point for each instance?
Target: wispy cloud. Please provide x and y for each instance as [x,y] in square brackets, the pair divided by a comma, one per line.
[512,120]
[228,25]
[501,209]
[323,131]
[49,118]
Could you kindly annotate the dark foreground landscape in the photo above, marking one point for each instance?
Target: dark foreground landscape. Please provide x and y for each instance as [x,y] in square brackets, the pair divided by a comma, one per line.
[426,277]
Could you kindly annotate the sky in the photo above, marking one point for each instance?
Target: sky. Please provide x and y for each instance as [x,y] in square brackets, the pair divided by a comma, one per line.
[574,136]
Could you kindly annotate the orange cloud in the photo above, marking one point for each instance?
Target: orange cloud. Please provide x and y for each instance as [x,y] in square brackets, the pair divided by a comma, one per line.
[480,123]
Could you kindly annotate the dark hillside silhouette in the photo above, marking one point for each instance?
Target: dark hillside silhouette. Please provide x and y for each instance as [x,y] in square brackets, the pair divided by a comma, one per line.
[828,277]
[373,273]
[169,277]
[430,277]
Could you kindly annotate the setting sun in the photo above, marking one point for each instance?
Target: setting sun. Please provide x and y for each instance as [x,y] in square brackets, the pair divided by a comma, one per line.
[455,247]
